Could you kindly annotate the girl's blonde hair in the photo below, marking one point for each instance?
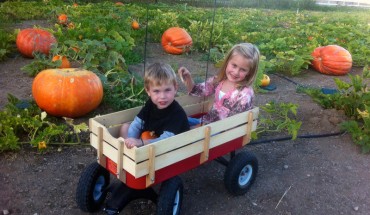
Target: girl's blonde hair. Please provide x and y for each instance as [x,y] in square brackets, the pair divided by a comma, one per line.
[158,74]
[251,53]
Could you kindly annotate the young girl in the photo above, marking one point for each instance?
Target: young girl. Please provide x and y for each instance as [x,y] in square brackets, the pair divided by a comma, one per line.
[233,86]
[161,115]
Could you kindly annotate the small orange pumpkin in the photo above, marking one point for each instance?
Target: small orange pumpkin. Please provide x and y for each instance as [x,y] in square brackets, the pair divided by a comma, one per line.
[148,135]
[135,25]
[176,40]
[332,60]
[119,3]
[67,92]
[265,81]
[75,4]
[63,19]
[31,40]
[65,62]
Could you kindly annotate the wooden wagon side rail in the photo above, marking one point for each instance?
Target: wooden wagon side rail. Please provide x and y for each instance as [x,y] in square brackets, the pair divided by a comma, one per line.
[178,147]
[145,161]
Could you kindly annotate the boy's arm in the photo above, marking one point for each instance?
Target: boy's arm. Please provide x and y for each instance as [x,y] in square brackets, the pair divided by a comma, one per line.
[135,128]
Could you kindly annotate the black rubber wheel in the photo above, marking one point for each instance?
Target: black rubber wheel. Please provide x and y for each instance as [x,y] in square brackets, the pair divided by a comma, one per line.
[91,188]
[170,197]
[241,173]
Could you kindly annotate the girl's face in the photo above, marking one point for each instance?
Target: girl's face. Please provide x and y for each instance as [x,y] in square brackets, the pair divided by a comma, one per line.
[237,68]
[162,95]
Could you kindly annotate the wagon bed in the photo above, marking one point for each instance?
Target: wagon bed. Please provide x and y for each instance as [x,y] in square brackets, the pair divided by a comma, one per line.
[151,164]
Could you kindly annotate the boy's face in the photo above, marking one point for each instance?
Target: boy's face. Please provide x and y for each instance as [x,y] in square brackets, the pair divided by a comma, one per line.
[162,95]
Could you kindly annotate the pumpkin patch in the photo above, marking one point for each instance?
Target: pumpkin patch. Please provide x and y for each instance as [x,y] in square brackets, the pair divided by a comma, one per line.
[176,40]
[332,60]
[34,40]
[67,92]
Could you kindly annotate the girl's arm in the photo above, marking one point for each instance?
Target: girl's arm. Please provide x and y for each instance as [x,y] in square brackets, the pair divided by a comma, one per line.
[204,89]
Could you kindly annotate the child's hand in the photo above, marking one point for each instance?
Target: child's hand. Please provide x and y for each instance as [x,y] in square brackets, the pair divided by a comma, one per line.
[131,142]
[183,73]
[186,78]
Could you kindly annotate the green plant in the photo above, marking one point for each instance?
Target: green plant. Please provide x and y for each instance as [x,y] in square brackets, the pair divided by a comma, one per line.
[123,90]
[23,122]
[351,96]
[277,118]
[354,99]
[360,130]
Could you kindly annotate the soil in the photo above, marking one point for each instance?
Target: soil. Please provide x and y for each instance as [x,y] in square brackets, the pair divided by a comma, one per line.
[327,175]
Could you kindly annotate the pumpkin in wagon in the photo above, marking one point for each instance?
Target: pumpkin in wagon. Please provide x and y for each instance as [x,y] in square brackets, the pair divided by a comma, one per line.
[148,135]
[31,40]
[67,92]
[332,60]
[176,40]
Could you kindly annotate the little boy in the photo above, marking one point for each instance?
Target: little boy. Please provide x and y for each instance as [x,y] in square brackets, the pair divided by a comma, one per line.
[161,114]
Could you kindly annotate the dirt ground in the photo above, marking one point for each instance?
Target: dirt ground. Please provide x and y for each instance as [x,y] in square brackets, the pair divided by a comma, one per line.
[327,175]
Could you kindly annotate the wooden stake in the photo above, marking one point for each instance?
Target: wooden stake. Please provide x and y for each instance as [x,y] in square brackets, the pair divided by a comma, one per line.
[101,157]
[121,174]
[205,154]
[247,136]
[150,178]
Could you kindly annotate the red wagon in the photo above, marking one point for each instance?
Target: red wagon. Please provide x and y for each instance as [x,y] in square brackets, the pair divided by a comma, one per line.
[162,161]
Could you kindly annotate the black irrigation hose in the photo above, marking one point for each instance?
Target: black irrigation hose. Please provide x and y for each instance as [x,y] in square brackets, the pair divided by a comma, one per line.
[299,136]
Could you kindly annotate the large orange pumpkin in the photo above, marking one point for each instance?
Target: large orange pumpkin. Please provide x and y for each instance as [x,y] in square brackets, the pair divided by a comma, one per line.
[34,40]
[332,60]
[176,40]
[67,92]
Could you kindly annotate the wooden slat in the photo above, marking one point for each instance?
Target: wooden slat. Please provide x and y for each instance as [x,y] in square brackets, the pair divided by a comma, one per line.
[118,117]
[169,158]
[207,137]
[140,154]
[188,137]
[161,161]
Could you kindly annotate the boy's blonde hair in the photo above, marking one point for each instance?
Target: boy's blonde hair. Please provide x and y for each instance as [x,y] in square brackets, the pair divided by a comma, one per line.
[251,53]
[158,74]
